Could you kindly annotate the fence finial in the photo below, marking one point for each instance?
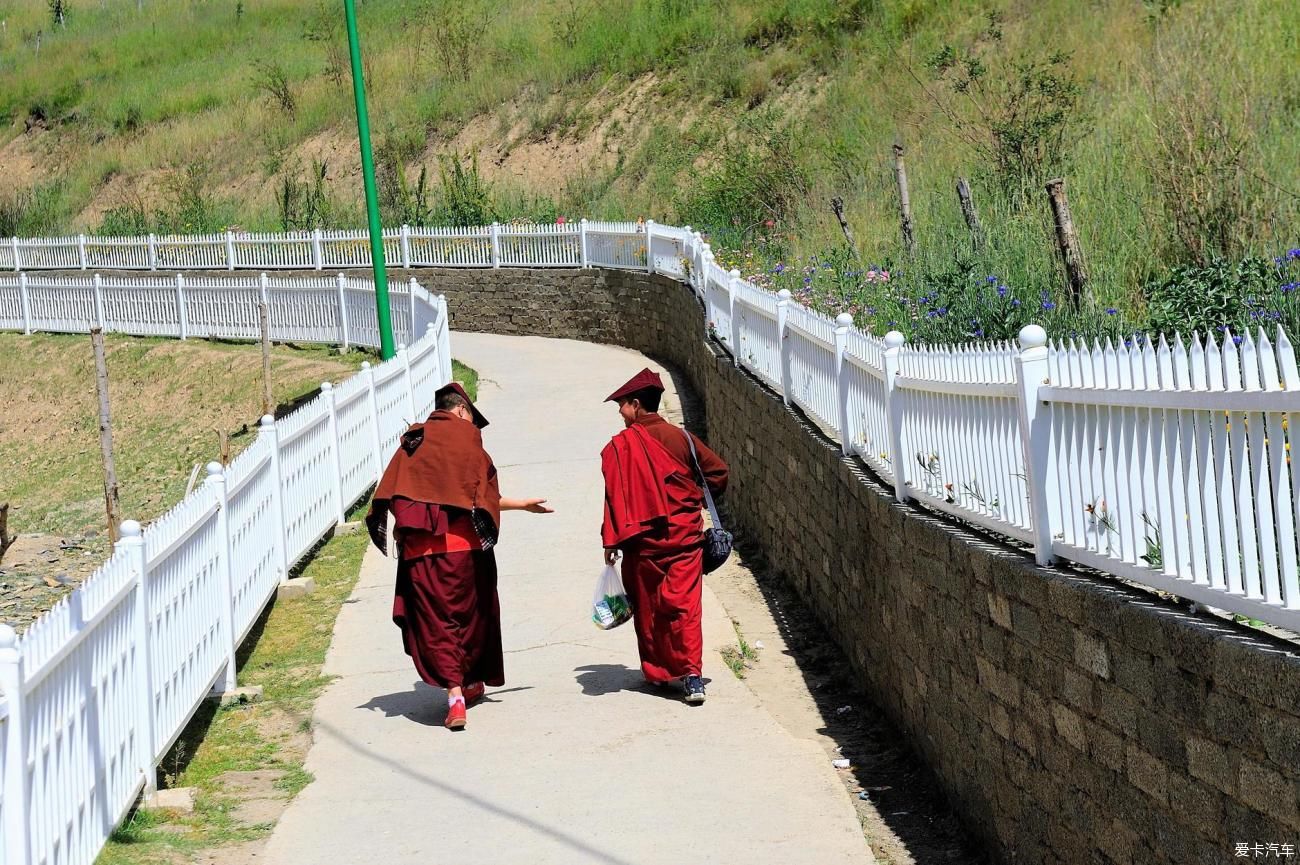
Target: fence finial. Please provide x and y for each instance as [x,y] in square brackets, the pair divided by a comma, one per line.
[784,294]
[215,470]
[269,420]
[130,529]
[844,320]
[894,339]
[1032,336]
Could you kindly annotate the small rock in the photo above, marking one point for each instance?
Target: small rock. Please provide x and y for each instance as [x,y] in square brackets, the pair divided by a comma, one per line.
[251,694]
[842,763]
[758,644]
[296,588]
[843,710]
[179,800]
[863,796]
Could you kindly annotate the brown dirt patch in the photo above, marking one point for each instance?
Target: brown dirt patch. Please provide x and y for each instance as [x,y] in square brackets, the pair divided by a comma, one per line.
[25,160]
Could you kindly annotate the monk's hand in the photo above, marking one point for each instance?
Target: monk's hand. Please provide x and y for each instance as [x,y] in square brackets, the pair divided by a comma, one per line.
[611,555]
[536,506]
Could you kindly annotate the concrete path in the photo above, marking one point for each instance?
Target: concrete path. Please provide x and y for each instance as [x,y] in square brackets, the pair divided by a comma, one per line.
[572,761]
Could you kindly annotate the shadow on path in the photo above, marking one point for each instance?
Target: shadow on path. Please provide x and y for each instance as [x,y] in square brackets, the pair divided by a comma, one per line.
[424,704]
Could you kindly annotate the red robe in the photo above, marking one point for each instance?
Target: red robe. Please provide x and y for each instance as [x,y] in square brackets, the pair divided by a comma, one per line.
[652,514]
[445,602]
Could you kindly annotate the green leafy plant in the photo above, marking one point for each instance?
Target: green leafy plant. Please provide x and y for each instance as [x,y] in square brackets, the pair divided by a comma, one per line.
[464,196]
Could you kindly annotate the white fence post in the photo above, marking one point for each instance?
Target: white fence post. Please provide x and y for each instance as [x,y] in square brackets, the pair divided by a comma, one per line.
[327,391]
[26,299]
[410,289]
[406,246]
[317,256]
[81,251]
[582,242]
[843,322]
[444,339]
[649,246]
[894,409]
[1035,431]
[132,540]
[782,311]
[153,252]
[99,300]
[732,291]
[13,244]
[343,310]
[378,449]
[180,306]
[230,250]
[217,481]
[405,357]
[496,245]
[17,848]
[269,430]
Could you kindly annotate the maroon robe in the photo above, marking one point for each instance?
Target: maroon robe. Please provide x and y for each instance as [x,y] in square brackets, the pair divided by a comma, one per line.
[445,603]
[652,515]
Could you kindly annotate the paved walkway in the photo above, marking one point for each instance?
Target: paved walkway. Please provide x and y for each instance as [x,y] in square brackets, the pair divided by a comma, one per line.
[570,762]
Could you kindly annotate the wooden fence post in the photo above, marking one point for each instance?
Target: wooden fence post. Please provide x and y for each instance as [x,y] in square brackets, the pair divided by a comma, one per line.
[837,205]
[969,213]
[1067,239]
[904,200]
[112,501]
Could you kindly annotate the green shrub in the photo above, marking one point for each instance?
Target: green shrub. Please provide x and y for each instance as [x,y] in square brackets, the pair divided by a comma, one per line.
[464,196]
[1251,292]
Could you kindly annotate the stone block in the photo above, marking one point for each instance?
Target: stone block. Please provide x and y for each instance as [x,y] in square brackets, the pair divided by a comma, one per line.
[296,588]
[1134,672]
[1077,689]
[1069,726]
[1195,803]
[1105,747]
[1091,654]
[249,694]
[1267,791]
[1212,763]
[1025,623]
[179,800]
[1148,774]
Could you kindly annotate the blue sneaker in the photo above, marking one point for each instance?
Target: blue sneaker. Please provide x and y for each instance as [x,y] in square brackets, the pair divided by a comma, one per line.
[694,689]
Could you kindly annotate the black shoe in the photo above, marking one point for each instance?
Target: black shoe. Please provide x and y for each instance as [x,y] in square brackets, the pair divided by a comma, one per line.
[694,689]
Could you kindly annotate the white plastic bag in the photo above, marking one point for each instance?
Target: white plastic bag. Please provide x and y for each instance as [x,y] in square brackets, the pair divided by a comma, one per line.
[610,605]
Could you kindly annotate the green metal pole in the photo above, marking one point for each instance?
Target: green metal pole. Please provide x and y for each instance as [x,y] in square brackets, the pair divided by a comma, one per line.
[386,348]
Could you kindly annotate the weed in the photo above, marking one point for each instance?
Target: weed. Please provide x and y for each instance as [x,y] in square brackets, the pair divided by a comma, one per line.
[464,196]
[271,79]
[741,656]
[305,204]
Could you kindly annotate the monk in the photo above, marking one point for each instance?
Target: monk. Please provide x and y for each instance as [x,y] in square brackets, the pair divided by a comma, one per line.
[441,490]
[652,518]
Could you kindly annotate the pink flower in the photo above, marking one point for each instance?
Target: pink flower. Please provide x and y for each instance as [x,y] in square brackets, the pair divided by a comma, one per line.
[559,220]
[884,275]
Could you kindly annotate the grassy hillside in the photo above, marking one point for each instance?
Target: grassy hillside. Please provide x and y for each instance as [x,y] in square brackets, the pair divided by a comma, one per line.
[1175,124]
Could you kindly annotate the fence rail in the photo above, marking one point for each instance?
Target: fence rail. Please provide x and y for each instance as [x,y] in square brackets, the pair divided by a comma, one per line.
[98,689]
[1167,464]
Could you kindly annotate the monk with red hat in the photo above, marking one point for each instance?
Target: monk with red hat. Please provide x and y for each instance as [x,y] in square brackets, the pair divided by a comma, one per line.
[441,490]
[653,501]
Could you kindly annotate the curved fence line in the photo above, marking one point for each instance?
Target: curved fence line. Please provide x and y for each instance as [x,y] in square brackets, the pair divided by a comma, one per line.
[98,689]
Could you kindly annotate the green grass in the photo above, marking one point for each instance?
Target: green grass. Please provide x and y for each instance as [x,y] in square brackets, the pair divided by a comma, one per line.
[467,377]
[741,656]
[168,399]
[268,735]
[831,82]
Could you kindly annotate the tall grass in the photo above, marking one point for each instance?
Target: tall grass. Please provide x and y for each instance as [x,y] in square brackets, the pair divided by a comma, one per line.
[147,95]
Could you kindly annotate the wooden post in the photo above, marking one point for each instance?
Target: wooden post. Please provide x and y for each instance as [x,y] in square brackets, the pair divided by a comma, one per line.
[904,201]
[268,396]
[968,211]
[1067,239]
[6,539]
[112,501]
[837,205]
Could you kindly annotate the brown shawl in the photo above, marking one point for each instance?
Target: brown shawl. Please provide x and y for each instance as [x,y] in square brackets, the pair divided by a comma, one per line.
[440,462]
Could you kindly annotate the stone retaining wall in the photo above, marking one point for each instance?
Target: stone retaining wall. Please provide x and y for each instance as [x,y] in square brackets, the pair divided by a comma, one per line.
[1071,719]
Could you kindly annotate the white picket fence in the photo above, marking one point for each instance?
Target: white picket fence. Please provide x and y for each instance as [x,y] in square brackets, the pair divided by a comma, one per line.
[98,689]
[1168,465]
[575,244]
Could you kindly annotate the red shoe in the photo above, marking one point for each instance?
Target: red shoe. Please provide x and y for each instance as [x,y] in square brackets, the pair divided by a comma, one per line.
[473,693]
[455,716]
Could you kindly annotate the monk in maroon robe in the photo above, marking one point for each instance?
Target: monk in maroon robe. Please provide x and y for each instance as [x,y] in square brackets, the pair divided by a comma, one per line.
[652,517]
[441,490]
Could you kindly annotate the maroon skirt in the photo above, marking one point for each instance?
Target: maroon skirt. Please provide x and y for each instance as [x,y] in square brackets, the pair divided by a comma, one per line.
[447,608]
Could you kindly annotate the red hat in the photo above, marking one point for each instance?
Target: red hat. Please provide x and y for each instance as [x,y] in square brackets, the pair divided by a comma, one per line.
[454,387]
[644,380]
